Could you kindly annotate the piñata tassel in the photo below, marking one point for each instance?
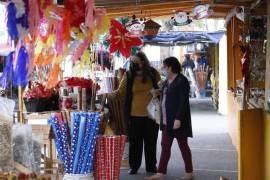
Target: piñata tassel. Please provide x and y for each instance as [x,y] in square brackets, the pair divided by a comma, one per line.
[89,17]
[53,76]
[33,16]
[78,53]
[7,74]
[11,21]
[21,69]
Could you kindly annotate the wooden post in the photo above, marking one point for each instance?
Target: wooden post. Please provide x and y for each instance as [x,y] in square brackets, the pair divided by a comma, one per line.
[20,97]
[267,69]
[246,33]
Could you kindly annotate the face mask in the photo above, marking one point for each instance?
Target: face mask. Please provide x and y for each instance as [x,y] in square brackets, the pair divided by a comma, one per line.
[165,73]
[134,66]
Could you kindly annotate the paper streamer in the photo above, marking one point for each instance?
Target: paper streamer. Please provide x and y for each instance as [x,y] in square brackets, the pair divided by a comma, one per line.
[6,77]
[21,71]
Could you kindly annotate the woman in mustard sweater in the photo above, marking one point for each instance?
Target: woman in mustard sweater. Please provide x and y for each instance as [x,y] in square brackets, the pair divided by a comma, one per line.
[135,87]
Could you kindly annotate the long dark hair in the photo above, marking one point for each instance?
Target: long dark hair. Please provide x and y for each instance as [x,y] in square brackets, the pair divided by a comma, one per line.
[146,66]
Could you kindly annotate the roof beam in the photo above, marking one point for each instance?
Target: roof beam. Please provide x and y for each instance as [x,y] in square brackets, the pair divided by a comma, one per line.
[145,7]
[123,4]
[221,11]
[229,2]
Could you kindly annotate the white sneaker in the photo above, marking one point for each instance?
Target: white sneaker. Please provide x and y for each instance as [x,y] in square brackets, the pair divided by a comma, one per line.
[157,176]
[188,176]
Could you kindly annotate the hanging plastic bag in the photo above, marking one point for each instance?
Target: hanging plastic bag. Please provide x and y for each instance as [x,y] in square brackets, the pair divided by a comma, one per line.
[23,145]
[153,109]
[7,107]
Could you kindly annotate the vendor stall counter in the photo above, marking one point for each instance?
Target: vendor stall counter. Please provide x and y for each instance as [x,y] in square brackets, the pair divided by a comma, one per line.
[247,133]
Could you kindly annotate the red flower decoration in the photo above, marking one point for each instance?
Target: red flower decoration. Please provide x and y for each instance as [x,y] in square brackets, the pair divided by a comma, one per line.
[120,41]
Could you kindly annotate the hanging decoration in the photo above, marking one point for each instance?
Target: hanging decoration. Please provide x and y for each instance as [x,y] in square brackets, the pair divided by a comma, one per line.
[43,4]
[54,76]
[135,28]
[202,11]
[20,71]
[96,20]
[151,29]
[119,41]
[181,19]
[6,77]
[6,45]
[34,16]
[60,18]
[11,21]
[77,9]
[240,13]
[18,18]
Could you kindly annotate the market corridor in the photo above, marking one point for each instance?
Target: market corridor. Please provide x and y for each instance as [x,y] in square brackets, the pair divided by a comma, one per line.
[212,150]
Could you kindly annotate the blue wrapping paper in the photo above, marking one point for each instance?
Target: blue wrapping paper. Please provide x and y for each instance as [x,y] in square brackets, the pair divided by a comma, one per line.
[75,124]
[93,145]
[66,154]
[85,140]
[88,159]
[84,129]
[79,142]
[53,121]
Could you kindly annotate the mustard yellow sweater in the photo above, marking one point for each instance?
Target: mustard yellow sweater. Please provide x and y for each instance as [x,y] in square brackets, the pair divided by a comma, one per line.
[141,94]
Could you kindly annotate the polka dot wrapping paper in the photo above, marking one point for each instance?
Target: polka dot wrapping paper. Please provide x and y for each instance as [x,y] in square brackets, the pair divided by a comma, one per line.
[79,156]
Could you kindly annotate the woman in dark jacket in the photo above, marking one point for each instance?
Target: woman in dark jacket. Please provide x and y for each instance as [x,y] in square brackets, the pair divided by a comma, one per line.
[176,118]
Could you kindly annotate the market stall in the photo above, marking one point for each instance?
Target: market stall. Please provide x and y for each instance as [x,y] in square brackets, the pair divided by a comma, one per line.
[202,47]
[59,116]
[246,83]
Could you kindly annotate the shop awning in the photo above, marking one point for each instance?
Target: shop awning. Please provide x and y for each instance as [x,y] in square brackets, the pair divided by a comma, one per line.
[178,38]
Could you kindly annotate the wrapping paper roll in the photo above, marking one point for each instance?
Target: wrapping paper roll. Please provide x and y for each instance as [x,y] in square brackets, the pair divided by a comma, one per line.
[108,157]
[79,156]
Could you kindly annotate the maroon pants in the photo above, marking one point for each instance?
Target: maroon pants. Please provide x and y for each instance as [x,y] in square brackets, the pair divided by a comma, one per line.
[166,144]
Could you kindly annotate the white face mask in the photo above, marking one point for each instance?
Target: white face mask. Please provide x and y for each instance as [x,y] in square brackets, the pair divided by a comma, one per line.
[165,73]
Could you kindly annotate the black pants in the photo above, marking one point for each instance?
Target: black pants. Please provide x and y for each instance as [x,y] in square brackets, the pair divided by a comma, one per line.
[143,131]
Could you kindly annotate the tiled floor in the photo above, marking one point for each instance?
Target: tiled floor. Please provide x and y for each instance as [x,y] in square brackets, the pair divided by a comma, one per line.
[212,150]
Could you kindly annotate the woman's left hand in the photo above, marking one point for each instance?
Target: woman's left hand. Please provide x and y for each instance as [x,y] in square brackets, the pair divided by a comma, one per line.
[177,124]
